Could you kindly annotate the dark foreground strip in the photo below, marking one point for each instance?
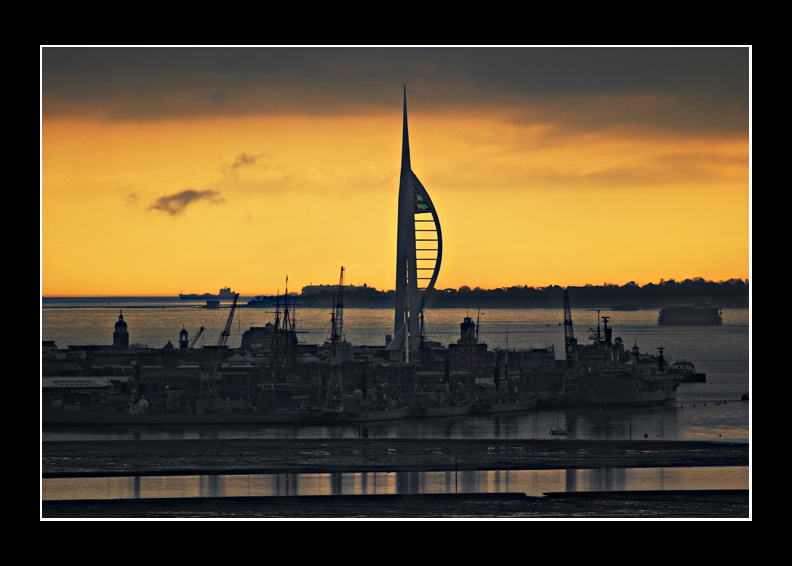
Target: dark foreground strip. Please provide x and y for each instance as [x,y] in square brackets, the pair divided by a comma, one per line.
[643,504]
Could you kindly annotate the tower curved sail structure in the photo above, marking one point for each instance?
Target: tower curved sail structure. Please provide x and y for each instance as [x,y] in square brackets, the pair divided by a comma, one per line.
[419,252]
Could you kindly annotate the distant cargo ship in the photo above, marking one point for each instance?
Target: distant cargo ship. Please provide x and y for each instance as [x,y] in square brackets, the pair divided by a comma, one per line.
[225,293]
[700,315]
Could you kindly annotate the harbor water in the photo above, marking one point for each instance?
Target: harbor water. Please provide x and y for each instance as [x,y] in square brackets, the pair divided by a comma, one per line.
[702,411]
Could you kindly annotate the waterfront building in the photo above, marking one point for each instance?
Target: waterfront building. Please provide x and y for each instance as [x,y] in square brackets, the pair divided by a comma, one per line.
[468,354]
[121,334]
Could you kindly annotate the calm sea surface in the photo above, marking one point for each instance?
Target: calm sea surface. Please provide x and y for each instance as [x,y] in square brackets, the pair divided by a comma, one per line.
[702,411]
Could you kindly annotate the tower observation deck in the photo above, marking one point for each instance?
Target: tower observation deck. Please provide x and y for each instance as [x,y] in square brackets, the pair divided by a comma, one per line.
[419,251]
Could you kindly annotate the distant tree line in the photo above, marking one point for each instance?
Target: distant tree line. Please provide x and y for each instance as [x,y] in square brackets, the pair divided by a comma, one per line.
[690,292]
[731,293]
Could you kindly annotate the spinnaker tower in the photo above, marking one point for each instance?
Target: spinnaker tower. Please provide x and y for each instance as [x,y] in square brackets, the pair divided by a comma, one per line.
[419,251]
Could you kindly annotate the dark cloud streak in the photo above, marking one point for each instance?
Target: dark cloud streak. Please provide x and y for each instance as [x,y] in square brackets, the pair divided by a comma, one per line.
[177,203]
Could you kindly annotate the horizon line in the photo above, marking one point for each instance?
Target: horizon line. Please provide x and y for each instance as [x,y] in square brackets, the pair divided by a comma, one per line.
[605,284]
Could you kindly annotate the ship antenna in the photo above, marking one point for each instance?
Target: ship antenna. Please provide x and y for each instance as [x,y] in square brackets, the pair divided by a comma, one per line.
[598,325]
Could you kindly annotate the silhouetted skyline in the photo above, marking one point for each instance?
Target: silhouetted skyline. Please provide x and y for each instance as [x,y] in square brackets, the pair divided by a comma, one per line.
[732,293]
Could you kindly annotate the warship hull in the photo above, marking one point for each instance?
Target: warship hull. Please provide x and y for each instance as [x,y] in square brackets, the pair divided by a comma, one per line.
[421,411]
[619,388]
[488,407]
[331,416]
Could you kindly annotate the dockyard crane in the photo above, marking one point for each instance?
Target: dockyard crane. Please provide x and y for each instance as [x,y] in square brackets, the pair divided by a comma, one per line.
[194,340]
[211,389]
[570,346]
[227,330]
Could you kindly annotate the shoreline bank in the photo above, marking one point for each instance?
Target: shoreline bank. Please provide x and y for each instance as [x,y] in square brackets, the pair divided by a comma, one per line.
[253,456]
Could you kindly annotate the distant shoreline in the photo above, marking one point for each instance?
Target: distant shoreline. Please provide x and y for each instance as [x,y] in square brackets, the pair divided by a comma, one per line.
[625,298]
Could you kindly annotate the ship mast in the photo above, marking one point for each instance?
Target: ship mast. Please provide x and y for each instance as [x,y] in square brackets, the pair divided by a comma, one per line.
[569,335]
[338,329]
[335,387]
[570,346]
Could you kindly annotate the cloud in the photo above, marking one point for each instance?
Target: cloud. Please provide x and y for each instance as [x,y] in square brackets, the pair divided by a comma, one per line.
[243,159]
[177,203]
[166,82]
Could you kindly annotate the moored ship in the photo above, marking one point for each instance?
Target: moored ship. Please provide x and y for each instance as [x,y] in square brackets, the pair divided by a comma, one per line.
[62,416]
[605,374]
[439,402]
[503,401]
[620,387]
[349,413]
[357,408]
[611,377]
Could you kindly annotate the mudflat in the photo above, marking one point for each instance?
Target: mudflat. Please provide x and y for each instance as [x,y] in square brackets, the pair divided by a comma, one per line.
[172,457]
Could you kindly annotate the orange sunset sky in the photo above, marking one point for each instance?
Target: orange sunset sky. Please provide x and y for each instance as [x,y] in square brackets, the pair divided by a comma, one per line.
[167,170]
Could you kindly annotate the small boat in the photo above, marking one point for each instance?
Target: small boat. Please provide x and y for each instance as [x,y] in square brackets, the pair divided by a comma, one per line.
[744,397]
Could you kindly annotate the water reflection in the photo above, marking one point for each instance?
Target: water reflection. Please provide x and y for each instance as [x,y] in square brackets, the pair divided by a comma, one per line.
[531,482]
[680,421]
